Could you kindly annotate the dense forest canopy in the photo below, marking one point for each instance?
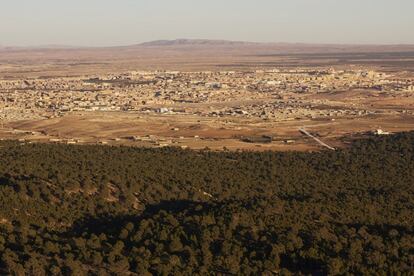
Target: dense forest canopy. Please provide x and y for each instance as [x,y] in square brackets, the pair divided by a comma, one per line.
[101,210]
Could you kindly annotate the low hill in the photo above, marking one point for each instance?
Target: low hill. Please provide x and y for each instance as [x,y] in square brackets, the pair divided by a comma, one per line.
[196,42]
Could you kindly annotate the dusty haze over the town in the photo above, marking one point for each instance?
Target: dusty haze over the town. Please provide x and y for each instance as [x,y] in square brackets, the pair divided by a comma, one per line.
[125,22]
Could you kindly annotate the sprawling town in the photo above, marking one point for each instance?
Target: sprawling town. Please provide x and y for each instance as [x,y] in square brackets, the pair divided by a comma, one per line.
[255,96]
[273,94]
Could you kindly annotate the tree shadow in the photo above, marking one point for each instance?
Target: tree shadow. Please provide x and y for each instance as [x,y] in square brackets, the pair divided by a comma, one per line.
[108,223]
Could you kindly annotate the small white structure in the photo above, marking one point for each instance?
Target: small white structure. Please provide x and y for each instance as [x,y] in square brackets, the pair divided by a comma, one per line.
[162,110]
[381,132]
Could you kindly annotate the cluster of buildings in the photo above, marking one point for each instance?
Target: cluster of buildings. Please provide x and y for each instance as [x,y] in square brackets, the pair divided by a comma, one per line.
[271,94]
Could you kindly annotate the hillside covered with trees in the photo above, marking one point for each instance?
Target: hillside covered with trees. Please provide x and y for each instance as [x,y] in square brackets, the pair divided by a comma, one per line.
[101,210]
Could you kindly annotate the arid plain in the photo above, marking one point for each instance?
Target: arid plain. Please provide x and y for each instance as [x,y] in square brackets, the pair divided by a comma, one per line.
[200,93]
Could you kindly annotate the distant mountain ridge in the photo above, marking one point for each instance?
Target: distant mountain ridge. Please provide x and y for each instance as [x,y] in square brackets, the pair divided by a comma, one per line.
[203,43]
[269,47]
[201,47]
[194,42]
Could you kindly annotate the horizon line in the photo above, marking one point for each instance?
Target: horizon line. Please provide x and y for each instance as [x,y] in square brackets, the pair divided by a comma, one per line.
[148,43]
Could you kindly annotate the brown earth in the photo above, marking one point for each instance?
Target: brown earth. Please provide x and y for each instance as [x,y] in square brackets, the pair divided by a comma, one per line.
[195,132]
[214,133]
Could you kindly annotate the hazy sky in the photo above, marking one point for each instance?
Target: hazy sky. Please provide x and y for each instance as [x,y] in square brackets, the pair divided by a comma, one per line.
[123,22]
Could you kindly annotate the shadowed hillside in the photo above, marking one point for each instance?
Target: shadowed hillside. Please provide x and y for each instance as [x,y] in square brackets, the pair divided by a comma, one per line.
[100,210]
